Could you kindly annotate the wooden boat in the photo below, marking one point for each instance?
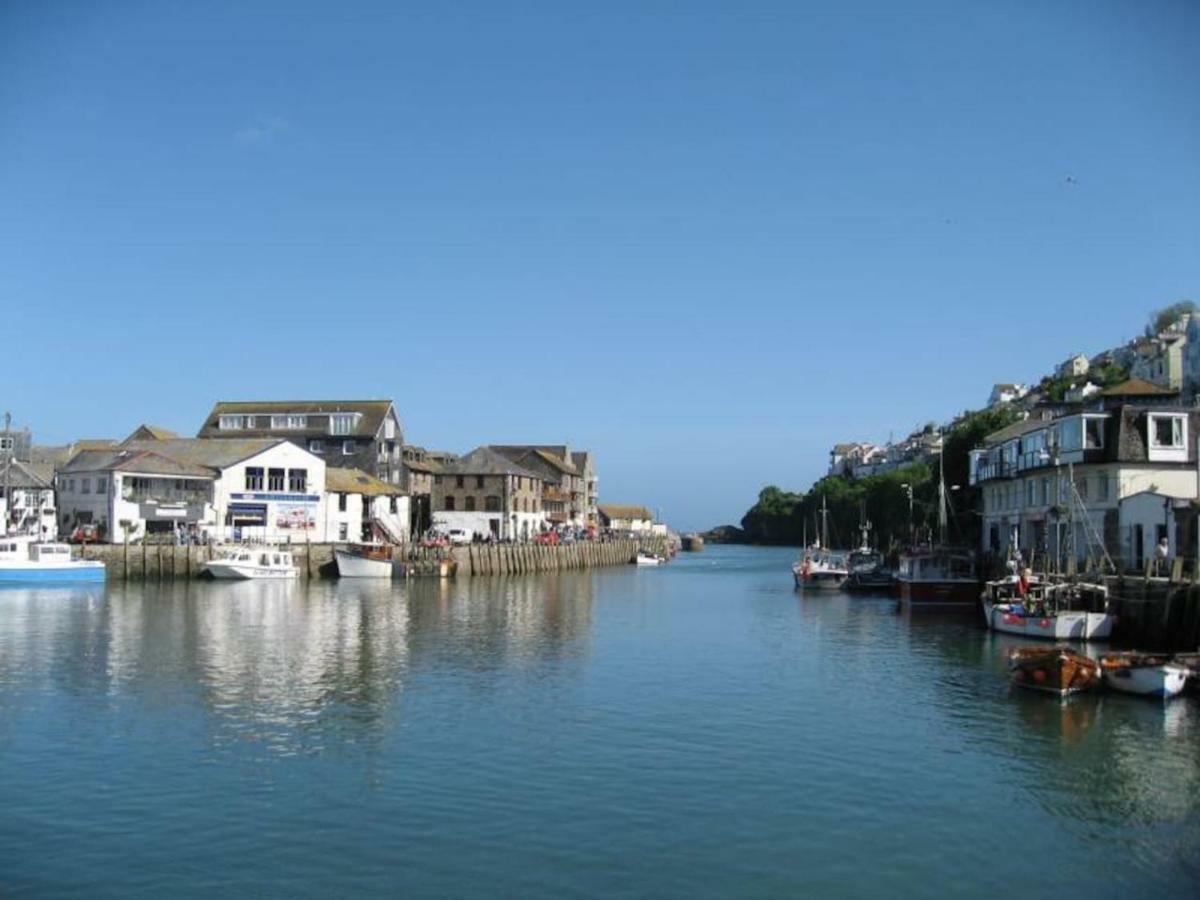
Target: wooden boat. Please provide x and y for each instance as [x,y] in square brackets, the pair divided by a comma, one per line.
[252,562]
[364,561]
[1056,670]
[1145,674]
[1029,606]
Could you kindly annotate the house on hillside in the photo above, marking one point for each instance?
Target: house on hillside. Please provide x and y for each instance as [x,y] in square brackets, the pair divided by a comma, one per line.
[1006,393]
[1073,367]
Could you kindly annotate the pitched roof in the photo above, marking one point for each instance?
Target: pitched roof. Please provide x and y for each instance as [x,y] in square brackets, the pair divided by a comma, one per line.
[486,461]
[425,466]
[124,459]
[1016,429]
[1138,387]
[356,481]
[17,474]
[372,412]
[552,454]
[216,454]
[150,433]
[618,511]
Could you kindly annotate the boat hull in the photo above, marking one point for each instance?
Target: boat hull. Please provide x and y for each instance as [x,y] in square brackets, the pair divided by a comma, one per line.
[83,572]
[940,595]
[1069,625]
[1054,670]
[355,565]
[1164,681]
[234,571]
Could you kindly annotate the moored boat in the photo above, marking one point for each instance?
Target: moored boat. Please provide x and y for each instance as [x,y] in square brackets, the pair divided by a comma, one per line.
[821,570]
[244,562]
[1145,674]
[364,561]
[1056,670]
[938,578]
[25,560]
[1029,606]
[644,558]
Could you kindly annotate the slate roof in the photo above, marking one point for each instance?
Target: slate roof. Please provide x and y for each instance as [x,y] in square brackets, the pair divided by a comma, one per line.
[618,511]
[373,413]
[1015,430]
[125,459]
[206,452]
[17,474]
[486,461]
[150,433]
[552,454]
[356,481]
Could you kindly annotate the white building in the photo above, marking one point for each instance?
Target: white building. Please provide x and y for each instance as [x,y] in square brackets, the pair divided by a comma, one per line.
[362,508]
[1006,393]
[1081,392]
[619,517]
[32,500]
[1113,475]
[1074,366]
[260,489]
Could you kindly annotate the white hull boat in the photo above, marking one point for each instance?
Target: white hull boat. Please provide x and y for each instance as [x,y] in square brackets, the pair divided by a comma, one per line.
[1066,625]
[252,562]
[646,559]
[1146,676]
[24,560]
[364,562]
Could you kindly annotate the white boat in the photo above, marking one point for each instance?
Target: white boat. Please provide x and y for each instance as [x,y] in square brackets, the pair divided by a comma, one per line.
[1147,675]
[364,561]
[252,562]
[648,559]
[1032,608]
[821,570]
[25,560]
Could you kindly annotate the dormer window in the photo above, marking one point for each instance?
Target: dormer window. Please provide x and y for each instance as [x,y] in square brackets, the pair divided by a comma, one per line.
[343,423]
[289,421]
[231,423]
[1167,432]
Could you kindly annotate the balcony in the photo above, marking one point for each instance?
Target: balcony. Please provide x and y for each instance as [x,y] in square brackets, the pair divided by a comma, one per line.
[164,497]
[556,495]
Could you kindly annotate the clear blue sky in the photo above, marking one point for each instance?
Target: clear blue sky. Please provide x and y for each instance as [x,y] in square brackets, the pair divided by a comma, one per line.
[706,240]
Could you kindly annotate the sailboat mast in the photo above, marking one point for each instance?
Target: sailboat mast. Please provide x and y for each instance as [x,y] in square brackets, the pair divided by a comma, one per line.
[941,499]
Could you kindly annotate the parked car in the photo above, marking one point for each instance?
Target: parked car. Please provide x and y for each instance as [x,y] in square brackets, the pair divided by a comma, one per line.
[548,538]
[88,533]
[460,536]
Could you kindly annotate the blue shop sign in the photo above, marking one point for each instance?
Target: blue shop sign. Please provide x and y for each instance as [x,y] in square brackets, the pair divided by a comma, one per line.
[279,498]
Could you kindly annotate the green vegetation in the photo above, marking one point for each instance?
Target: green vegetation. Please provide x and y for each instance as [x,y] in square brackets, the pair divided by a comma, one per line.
[1162,319]
[783,517]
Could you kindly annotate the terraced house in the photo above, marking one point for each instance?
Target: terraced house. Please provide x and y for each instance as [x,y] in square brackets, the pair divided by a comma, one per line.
[356,434]
[566,490]
[486,494]
[1118,473]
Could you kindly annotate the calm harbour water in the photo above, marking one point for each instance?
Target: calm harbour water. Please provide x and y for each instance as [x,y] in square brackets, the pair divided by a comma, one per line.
[698,730]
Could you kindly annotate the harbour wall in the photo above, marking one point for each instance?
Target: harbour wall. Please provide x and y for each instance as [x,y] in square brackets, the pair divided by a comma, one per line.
[153,562]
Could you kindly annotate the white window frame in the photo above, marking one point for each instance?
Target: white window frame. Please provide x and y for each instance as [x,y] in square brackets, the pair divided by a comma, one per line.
[316,445]
[349,448]
[1178,431]
[231,422]
[288,422]
[343,423]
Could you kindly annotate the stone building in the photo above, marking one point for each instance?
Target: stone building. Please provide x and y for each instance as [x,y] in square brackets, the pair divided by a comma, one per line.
[487,494]
[357,434]
[566,492]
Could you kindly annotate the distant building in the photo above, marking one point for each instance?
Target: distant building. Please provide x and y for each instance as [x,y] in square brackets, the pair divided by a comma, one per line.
[1006,393]
[618,517]
[488,495]
[1162,361]
[151,433]
[26,501]
[585,463]
[1073,367]
[565,493]
[1081,392]
[359,434]
[362,508]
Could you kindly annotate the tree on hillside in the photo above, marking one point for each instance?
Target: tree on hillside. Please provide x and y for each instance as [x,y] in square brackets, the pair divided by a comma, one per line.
[1162,319]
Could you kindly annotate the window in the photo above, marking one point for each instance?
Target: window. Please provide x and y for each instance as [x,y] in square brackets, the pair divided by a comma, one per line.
[1029,493]
[231,423]
[1045,492]
[1093,434]
[343,531]
[341,502]
[392,507]
[1082,487]
[1166,431]
[316,446]
[101,485]
[491,503]
[342,423]
[1102,486]
[289,422]
[85,485]
[297,480]
[275,479]
[470,503]
[478,481]
[458,481]
[449,506]
[349,448]
[254,478]
[7,444]
[437,479]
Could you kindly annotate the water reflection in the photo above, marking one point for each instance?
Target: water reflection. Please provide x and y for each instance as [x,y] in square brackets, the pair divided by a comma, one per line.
[287,665]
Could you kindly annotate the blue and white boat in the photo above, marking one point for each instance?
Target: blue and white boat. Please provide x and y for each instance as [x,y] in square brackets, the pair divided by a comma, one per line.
[24,560]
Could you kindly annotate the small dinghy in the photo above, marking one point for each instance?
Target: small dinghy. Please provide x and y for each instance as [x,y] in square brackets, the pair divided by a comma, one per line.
[648,559]
[1144,674]
[1056,670]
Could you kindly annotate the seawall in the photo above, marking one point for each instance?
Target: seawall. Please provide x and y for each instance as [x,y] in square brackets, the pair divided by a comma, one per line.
[154,562]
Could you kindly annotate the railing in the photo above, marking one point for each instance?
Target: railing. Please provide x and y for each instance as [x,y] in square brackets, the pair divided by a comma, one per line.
[191,498]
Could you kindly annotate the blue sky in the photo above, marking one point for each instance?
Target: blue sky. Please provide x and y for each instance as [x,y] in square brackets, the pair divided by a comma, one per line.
[706,240]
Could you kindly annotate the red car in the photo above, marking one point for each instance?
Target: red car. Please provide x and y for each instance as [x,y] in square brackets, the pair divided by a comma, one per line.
[547,538]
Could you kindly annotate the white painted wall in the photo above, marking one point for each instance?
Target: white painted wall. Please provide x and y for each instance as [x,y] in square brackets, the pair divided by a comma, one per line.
[519,525]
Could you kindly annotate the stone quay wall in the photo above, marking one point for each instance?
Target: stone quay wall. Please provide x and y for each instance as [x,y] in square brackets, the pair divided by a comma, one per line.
[167,561]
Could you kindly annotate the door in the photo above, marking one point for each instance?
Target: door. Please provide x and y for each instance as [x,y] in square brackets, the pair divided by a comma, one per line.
[1139,549]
